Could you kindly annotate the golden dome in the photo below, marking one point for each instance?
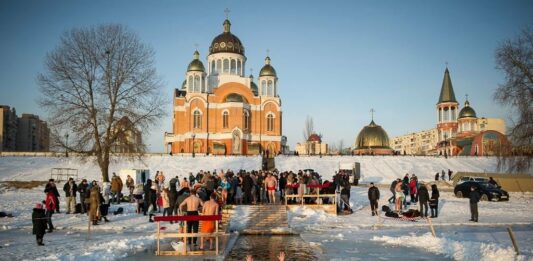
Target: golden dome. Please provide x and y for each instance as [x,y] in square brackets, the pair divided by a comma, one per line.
[372,137]
[196,64]
[267,69]
[467,111]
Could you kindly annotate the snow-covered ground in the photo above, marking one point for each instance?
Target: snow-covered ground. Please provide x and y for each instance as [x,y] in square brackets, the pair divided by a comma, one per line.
[457,237]
[356,236]
[384,169]
[38,168]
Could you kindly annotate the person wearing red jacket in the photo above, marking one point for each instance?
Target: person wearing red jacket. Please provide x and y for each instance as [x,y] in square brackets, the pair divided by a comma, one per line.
[413,189]
[50,206]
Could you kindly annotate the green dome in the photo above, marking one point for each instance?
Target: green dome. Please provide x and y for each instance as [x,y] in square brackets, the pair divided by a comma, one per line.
[267,70]
[196,65]
[467,111]
[253,86]
[372,136]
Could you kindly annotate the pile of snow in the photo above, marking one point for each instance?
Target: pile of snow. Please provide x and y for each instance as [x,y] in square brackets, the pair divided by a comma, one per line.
[384,169]
[39,168]
[458,250]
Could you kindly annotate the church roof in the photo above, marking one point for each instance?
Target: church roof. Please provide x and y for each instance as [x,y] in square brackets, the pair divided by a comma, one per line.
[446,91]
[372,136]
[226,42]
[467,111]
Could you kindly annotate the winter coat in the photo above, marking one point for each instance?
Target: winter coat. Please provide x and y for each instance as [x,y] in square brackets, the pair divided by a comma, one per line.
[70,190]
[94,202]
[412,186]
[247,183]
[38,219]
[50,202]
[393,185]
[173,184]
[130,183]
[82,189]
[53,189]
[423,195]
[373,193]
[434,196]
[166,200]
[116,184]
[474,197]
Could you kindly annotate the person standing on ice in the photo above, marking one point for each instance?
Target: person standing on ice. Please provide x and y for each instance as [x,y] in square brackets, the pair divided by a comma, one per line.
[82,189]
[423,198]
[373,196]
[474,199]
[130,184]
[38,219]
[443,176]
[51,187]
[116,188]
[393,190]
[434,201]
[94,206]
[51,205]
[192,204]
[449,175]
[70,189]
[437,176]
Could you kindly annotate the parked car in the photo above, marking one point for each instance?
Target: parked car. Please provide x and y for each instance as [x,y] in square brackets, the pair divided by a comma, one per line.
[470,178]
[487,191]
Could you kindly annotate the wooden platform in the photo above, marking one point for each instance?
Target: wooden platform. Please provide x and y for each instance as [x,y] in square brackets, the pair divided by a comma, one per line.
[268,219]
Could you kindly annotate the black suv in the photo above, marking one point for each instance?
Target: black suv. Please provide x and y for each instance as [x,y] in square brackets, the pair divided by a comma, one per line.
[487,191]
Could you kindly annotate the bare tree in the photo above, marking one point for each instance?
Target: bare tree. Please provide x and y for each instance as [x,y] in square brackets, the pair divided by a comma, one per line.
[309,129]
[95,77]
[515,58]
[341,146]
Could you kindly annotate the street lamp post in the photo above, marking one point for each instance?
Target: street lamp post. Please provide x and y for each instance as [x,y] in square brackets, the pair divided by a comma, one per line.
[193,136]
[66,145]
[445,145]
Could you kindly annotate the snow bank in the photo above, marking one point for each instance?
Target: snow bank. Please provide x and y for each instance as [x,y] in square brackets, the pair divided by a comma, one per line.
[38,168]
[384,169]
[458,250]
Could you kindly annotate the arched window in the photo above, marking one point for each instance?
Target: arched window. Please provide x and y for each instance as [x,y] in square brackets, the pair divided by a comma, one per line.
[270,122]
[246,120]
[270,89]
[219,66]
[263,87]
[197,86]
[190,84]
[225,119]
[239,67]
[233,66]
[226,66]
[213,70]
[197,119]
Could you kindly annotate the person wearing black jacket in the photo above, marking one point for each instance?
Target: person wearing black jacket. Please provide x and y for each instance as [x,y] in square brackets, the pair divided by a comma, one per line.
[82,189]
[282,185]
[147,195]
[423,198]
[247,185]
[392,189]
[373,196]
[474,199]
[51,186]
[39,222]
[70,189]
[434,201]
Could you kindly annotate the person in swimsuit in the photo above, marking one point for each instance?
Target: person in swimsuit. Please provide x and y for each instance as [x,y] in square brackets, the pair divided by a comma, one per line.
[210,208]
[270,184]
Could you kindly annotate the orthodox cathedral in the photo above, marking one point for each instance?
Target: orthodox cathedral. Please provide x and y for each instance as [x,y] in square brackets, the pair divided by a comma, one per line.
[220,111]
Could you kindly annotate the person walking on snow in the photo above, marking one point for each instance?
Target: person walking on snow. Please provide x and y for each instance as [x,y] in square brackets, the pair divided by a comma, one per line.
[130,184]
[51,187]
[393,190]
[474,199]
[373,196]
[116,188]
[82,189]
[51,205]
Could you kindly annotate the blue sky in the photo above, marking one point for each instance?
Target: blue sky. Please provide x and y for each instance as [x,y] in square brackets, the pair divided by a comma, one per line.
[335,59]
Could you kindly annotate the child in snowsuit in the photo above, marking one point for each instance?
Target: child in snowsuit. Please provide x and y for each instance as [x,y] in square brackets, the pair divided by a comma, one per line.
[38,218]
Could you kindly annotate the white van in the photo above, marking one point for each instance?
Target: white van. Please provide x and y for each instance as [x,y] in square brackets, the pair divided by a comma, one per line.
[353,169]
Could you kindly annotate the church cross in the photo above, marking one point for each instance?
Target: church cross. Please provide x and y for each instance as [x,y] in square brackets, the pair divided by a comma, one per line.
[227,11]
[372,112]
